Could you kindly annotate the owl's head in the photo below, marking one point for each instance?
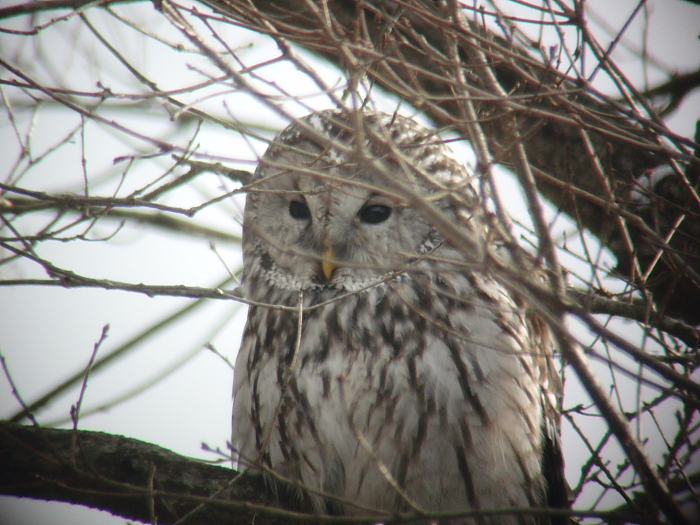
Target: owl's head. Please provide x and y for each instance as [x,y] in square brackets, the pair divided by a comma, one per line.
[330,204]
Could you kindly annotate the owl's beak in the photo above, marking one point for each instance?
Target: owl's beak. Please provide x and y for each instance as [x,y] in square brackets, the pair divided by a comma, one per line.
[327,260]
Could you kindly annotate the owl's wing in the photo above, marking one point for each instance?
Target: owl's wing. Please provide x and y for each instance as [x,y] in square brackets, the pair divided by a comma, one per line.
[558,491]
[551,392]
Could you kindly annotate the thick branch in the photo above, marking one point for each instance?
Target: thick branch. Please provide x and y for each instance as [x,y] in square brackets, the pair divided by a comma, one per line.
[145,482]
[126,477]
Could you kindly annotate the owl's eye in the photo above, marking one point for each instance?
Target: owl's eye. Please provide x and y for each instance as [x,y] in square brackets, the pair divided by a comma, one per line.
[299,210]
[374,214]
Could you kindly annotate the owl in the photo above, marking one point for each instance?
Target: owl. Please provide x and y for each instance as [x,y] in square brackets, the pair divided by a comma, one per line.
[383,367]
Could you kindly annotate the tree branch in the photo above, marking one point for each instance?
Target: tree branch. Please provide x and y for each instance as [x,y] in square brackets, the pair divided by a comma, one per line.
[145,482]
[128,478]
[28,8]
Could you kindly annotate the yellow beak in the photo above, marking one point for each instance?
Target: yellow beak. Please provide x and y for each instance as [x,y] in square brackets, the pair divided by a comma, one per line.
[327,260]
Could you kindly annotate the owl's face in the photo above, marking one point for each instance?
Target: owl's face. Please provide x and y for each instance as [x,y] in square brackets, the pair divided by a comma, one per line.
[314,219]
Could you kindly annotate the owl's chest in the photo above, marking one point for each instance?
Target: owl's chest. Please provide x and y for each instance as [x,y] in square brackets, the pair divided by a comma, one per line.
[425,384]
[386,354]
[362,331]
[367,365]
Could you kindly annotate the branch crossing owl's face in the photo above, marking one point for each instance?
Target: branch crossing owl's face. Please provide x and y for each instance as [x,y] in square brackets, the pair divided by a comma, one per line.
[324,211]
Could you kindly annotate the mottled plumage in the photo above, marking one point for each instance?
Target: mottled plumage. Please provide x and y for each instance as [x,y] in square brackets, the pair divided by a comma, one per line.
[413,378]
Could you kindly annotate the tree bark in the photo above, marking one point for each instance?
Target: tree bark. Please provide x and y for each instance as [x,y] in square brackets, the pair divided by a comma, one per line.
[128,478]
